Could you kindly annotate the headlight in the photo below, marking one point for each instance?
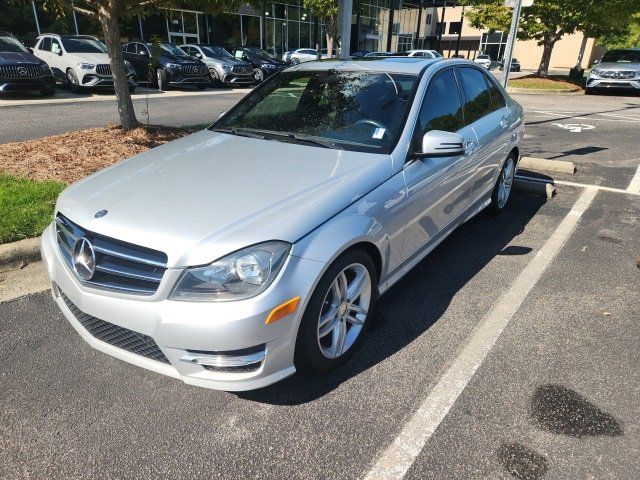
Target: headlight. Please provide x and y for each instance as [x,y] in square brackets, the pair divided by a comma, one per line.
[174,65]
[595,72]
[227,68]
[45,68]
[269,65]
[85,66]
[240,275]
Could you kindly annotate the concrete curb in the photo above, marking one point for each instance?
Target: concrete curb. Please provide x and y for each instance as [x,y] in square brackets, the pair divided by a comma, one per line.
[17,254]
[561,166]
[542,91]
[538,188]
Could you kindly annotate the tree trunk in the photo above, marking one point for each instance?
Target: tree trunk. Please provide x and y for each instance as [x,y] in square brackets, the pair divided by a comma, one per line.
[548,43]
[111,31]
[331,31]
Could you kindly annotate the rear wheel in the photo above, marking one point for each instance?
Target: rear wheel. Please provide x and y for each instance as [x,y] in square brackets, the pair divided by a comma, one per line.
[502,191]
[338,313]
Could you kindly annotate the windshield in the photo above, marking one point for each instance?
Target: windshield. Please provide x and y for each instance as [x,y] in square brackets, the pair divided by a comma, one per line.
[361,111]
[216,52]
[260,53]
[171,49]
[10,44]
[621,56]
[83,45]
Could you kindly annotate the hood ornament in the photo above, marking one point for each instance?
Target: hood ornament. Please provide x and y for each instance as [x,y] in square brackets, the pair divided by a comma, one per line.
[101,213]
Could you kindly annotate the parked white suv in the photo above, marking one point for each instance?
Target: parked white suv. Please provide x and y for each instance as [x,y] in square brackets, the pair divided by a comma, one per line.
[300,55]
[423,53]
[484,60]
[81,61]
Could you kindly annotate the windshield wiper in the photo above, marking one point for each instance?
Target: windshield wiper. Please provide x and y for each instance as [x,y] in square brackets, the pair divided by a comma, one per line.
[241,132]
[301,138]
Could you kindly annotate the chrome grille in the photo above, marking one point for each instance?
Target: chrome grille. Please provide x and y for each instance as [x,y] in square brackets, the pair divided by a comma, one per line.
[617,74]
[120,266]
[24,70]
[241,69]
[103,69]
[120,337]
[194,69]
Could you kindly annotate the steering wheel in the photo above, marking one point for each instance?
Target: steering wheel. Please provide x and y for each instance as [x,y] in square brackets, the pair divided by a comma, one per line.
[368,121]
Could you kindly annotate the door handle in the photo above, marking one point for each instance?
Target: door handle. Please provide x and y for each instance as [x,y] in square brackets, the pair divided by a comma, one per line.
[469,146]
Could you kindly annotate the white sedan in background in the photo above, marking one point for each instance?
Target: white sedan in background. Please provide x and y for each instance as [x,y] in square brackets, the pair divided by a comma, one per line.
[484,60]
[294,57]
[423,53]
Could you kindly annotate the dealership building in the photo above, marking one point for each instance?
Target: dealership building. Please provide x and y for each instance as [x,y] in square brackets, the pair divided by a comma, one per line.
[377,25]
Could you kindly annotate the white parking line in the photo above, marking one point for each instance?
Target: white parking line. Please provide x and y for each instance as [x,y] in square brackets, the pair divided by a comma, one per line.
[579,185]
[634,186]
[396,460]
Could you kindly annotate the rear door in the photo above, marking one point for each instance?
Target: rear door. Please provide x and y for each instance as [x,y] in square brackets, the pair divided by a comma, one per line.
[485,112]
[438,188]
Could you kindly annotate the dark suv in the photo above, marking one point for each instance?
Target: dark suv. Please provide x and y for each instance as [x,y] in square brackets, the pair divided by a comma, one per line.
[22,71]
[173,67]
[264,65]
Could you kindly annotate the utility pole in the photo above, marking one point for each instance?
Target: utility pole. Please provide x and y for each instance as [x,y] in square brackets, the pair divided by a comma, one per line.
[345,7]
[416,42]
[390,26]
[444,6]
[511,41]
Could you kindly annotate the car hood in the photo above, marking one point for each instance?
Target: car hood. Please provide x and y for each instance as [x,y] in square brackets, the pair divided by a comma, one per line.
[209,194]
[630,66]
[95,58]
[18,57]
[226,61]
[181,60]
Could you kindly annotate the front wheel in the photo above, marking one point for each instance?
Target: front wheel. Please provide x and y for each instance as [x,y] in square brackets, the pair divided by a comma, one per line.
[502,191]
[337,315]
[74,83]
[258,75]
[295,61]
[163,82]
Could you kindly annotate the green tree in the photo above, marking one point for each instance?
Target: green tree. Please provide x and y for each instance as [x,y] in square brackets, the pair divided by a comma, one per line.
[547,21]
[327,11]
[110,14]
[626,37]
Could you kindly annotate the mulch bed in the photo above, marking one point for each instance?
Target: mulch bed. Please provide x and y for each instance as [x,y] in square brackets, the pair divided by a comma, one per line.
[74,155]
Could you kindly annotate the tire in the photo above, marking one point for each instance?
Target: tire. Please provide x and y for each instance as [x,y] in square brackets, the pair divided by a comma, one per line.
[318,346]
[73,82]
[258,75]
[295,61]
[215,78]
[502,190]
[589,91]
[201,87]
[132,88]
[161,79]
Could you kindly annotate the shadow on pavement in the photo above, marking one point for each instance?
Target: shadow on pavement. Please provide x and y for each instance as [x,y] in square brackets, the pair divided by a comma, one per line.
[418,301]
[522,462]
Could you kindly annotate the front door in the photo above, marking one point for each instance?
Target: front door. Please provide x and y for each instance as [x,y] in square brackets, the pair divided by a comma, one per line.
[438,188]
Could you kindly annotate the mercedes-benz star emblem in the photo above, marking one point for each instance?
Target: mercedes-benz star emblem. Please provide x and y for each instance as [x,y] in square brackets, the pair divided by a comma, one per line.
[84,259]
[101,213]
[22,71]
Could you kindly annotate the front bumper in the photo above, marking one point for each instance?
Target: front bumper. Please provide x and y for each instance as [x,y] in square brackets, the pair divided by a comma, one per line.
[94,80]
[238,79]
[612,83]
[183,330]
[46,82]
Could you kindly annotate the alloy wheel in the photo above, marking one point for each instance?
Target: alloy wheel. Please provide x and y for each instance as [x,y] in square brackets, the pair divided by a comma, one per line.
[258,75]
[505,182]
[344,310]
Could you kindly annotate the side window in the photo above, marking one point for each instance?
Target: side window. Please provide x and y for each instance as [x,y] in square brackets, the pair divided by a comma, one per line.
[45,44]
[239,54]
[55,46]
[497,99]
[477,96]
[441,108]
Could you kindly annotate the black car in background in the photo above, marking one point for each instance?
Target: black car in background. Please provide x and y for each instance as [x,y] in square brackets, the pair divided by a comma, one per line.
[173,67]
[264,65]
[515,65]
[22,71]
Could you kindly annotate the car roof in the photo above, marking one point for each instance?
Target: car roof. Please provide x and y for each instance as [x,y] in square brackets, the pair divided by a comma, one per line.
[408,65]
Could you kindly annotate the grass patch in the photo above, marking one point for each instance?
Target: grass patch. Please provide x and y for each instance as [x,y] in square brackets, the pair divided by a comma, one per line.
[552,82]
[26,206]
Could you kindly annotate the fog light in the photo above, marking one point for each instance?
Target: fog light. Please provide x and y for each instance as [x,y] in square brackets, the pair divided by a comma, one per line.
[246,359]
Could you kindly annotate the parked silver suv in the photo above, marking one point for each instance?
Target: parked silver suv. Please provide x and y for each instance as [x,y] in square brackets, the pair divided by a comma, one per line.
[223,67]
[617,69]
[234,256]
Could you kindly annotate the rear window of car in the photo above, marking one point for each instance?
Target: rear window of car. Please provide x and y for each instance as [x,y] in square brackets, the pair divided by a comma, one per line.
[477,96]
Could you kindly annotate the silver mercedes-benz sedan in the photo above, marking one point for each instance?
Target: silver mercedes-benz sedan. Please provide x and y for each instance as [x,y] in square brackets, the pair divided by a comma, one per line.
[236,255]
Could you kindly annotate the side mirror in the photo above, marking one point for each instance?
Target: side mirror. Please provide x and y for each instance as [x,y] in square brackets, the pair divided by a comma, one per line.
[595,62]
[30,49]
[438,143]
[59,53]
[198,56]
[144,53]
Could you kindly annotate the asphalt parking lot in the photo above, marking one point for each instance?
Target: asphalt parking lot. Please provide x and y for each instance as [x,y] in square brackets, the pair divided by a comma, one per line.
[510,352]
